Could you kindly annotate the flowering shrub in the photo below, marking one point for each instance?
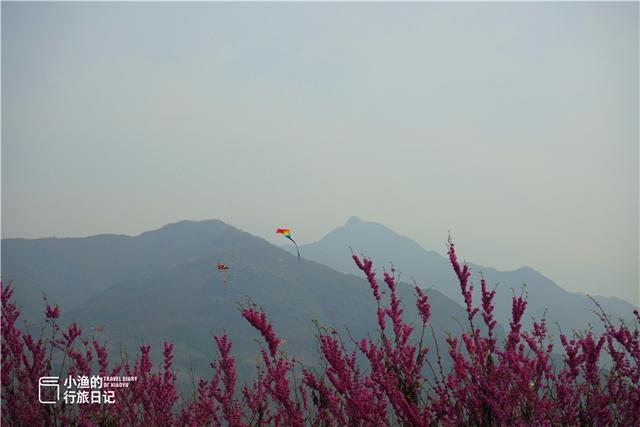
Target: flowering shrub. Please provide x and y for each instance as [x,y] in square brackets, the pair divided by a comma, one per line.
[511,382]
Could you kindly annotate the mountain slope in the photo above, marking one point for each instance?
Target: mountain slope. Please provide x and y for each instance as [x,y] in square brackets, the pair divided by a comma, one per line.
[71,270]
[163,285]
[429,268]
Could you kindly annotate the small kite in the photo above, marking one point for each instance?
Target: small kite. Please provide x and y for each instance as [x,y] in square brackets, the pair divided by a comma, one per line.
[97,328]
[287,233]
[223,269]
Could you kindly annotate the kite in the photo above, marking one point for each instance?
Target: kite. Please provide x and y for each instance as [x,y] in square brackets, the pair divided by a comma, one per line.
[97,328]
[223,269]
[287,233]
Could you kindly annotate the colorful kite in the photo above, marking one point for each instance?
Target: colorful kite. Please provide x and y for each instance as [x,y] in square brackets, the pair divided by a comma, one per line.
[223,269]
[287,233]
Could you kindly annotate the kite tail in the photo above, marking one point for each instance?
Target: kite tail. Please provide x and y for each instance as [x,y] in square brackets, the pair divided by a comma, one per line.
[294,242]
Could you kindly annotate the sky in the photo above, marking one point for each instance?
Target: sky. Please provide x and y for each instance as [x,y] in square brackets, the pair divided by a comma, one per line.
[512,125]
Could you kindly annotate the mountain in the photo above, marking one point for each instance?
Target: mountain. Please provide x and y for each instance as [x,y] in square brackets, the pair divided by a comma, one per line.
[573,311]
[71,270]
[163,285]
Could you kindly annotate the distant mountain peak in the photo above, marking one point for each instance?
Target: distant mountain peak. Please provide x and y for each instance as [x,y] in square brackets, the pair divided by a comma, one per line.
[194,223]
[188,224]
[358,223]
[363,236]
[354,220]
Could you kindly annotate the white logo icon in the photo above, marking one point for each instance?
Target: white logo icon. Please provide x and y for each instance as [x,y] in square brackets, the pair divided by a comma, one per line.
[46,384]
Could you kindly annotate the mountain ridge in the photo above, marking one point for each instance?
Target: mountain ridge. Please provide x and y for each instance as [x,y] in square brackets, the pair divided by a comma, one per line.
[430,268]
[163,285]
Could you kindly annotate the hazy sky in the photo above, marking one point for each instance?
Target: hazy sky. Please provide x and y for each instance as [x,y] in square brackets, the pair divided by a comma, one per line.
[514,125]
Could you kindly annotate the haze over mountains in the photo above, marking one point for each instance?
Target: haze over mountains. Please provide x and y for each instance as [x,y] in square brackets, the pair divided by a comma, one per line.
[163,285]
[431,269]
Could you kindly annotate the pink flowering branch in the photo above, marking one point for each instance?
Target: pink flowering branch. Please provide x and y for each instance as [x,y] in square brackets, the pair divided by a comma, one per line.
[510,381]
